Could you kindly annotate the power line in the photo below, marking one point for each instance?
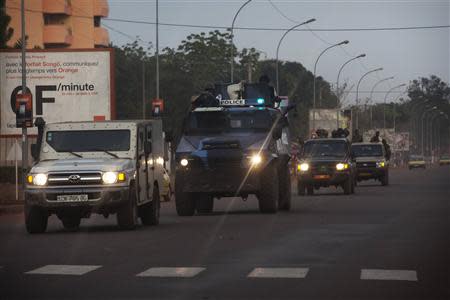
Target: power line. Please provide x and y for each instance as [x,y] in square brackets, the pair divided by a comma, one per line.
[258,28]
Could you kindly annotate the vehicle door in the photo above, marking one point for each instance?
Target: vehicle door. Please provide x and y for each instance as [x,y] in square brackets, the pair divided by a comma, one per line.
[141,166]
[151,159]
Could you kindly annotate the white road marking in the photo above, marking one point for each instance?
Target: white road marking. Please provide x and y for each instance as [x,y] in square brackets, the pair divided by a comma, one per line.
[279,273]
[171,272]
[380,274]
[63,270]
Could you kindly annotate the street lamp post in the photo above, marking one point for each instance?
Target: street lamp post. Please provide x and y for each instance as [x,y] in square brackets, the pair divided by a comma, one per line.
[337,85]
[421,118]
[232,43]
[371,99]
[314,78]
[357,92]
[157,49]
[279,44]
[384,105]
[339,74]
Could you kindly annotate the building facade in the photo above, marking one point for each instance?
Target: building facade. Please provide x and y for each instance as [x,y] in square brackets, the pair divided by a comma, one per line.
[72,24]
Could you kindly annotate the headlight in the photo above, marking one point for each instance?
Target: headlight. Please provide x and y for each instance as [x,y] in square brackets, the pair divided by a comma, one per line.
[381,164]
[255,159]
[341,166]
[112,177]
[39,179]
[184,162]
[303,167]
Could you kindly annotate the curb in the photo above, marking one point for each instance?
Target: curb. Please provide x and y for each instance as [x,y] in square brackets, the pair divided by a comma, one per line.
[11,209]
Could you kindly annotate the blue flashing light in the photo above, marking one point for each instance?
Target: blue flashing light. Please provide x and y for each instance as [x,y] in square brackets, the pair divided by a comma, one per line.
[260,101]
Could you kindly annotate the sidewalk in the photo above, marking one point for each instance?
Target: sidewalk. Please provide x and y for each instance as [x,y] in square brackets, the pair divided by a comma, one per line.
[8,202]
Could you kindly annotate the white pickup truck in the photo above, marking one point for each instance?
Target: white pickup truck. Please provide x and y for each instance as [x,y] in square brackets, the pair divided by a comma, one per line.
[109,167]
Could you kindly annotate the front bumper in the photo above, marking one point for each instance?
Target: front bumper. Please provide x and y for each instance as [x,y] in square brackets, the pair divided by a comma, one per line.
[101,199]
[324,180]
[370,173]
[223,181]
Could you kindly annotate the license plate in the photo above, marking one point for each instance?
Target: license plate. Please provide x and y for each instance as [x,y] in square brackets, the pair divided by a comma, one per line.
[321,176]
[365,174]
[72,198]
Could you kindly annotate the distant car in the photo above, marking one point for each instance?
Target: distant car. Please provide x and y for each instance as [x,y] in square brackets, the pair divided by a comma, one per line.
[326,162]
[416,161]
[371,162]
[444,160]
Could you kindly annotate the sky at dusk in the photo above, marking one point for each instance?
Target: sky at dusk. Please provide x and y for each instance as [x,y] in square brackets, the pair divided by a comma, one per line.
[405,54]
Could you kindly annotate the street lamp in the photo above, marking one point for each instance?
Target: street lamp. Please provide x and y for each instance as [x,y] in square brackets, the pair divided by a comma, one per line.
[384,105]
[371,95]
[339,74]
[279,44]
[357,92]
[314,78]
[421,118]
[232,44]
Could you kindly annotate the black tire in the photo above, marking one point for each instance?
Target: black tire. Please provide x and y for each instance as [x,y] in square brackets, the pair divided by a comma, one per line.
[204,203]
[285,189]
[127,214]
[150,212]
[36,219]
[301,187]
[347,186]
[353,185]
[268,194]
[184,202]
[310,190]
[71,223]
[385,179]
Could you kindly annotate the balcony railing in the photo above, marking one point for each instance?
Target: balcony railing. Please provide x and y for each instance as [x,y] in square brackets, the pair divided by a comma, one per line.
[101,37]
[57,34]
[57,7]
[101,8]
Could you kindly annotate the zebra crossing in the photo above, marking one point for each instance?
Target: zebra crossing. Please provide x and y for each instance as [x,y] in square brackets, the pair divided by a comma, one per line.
[192,272]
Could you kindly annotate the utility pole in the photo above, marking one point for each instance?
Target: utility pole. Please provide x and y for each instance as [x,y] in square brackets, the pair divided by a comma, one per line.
[143,91]
[157,49]
[24,90]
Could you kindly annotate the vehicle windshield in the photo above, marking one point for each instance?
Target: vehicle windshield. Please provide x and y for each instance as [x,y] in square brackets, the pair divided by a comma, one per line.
[326,148]
[89,140]
[416,157]
[367,150]
[230,121]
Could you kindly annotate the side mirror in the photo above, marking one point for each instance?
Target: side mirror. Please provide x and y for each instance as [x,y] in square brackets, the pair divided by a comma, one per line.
[35,152]
[148,147]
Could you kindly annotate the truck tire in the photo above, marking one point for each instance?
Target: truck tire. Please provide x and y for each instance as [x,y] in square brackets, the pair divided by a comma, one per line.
[150,212]
[385,179]
[36,219]
[285,189]
[184,202]
[347,186]
[127,215]
[310,190]
[268,194]
[71,223]
[204,203]
[301,187]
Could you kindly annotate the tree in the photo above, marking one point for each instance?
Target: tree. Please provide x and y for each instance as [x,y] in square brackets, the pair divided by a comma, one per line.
[6,32]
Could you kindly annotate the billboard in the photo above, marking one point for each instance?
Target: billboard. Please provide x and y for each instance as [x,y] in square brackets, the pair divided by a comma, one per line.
[66,85]
[399,141]
[330,119]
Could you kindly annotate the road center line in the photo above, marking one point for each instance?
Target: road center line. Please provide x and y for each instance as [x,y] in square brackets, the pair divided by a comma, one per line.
[382,274]
[171,272]
[64,270]
[278,273]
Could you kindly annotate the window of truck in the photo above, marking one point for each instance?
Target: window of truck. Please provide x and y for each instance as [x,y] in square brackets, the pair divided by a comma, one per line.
[89,140]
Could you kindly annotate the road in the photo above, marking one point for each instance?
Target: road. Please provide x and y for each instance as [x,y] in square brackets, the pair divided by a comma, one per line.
[381,243]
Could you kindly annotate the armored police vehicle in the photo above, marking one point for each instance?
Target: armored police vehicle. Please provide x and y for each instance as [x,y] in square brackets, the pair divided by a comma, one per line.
[371,162]
[326,162]
[234,149]
[110,167]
